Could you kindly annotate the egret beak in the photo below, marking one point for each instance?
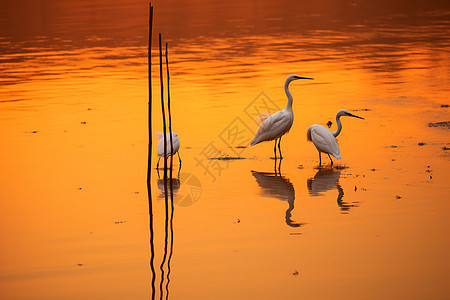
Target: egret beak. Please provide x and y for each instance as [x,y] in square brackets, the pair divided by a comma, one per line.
[351,115]
[299,77]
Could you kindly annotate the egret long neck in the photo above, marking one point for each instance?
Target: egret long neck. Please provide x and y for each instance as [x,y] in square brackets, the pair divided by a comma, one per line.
[289,96]
[339,126]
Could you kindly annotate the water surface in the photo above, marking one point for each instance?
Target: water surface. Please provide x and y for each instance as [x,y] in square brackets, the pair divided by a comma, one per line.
[73,124]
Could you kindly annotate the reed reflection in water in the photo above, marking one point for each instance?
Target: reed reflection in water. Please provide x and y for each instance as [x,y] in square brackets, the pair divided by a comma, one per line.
[327,179]
[278,186]
[171,185]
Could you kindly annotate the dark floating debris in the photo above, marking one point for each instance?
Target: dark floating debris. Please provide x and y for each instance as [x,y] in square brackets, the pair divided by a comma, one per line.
[119,222]
[239,221]
[241,147]
[329,123]
[301,167]
[227,158]
[440,124]
[84,123]
[445,148]
[421,144]
[295,273]
[355,188]
[363,109]
[373,170]
[341,167]
[398,197]
[444,105]
[393,146]
[80,265]
[80,188]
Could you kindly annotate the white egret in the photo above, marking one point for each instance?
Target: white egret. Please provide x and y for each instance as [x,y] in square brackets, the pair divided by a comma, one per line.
[276,125]
[160,148]
[325,140]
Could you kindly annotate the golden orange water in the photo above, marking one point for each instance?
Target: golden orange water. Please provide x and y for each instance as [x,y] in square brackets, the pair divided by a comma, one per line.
[74,219]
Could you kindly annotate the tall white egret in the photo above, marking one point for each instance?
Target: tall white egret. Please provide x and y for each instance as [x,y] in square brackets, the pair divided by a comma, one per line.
[276,125]
[325,140]
[160,148]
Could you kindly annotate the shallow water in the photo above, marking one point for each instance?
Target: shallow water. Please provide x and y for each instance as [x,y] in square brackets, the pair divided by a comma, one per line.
[73,124]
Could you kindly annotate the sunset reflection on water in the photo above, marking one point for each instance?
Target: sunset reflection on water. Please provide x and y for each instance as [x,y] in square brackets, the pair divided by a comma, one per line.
[73,123]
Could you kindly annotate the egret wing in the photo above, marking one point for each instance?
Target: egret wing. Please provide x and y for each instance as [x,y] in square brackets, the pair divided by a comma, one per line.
[273,127]
[262,117]
[324,140]
[160,148]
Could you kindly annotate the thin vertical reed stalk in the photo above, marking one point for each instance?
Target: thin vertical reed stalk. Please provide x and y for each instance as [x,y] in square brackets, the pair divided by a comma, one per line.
[150,202]
[162,107]
[169,111]
[165,170]
[150,95]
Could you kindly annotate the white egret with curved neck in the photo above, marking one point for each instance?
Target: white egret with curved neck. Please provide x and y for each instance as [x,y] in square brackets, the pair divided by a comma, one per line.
[276,125]
[325,140]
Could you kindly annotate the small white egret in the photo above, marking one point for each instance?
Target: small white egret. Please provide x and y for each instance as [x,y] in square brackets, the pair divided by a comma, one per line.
[276,125]
[160,148]
[325,140]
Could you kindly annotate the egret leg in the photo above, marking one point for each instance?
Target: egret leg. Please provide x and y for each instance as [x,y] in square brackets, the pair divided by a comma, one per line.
[157,164]
[275,149]
[330,159]
[320,159]
[279,147]
[179,158]
[279,168]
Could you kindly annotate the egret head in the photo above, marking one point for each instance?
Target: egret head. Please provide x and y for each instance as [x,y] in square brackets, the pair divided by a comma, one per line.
[293,77]
[346,113]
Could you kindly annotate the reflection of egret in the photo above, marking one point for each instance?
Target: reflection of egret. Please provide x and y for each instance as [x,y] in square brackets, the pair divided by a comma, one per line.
[173,183]
[184,191]
[325,140]
[276,125]
[326,180]
[160,148]
[275,185]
